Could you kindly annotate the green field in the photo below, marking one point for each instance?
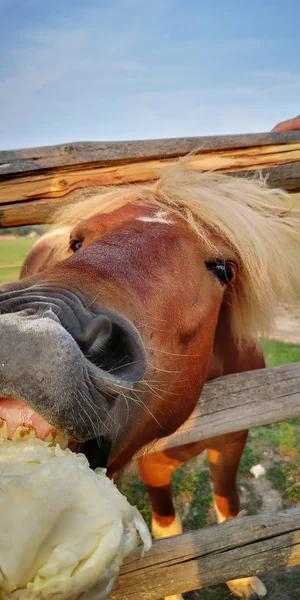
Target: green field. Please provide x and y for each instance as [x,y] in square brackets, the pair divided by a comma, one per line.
[12,254]
[275,446]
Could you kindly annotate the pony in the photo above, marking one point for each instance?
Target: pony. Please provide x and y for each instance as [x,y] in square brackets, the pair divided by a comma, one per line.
[135,297]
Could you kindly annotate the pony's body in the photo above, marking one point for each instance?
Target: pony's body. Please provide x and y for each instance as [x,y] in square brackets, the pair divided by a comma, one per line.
[197,282]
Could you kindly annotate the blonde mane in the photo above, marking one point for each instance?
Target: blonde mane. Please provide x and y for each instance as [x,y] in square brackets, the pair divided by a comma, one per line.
[253,220]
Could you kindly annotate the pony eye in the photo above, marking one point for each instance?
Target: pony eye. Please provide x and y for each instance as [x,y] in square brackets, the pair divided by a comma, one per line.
[224,270]
[75,245]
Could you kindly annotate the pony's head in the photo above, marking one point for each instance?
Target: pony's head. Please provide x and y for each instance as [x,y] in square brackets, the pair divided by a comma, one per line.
[114,339]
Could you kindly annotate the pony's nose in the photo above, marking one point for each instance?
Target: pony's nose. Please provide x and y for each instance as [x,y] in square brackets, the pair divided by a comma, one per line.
[105,337]
[113,344]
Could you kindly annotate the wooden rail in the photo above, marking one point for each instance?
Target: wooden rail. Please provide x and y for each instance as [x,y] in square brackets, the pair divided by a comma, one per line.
[232,550]
[237,402]
[217,554]
[35,182]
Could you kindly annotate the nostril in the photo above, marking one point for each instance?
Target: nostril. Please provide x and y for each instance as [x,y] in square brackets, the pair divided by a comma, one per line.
[112,351]
[28,312]
[113,344]
[96,332]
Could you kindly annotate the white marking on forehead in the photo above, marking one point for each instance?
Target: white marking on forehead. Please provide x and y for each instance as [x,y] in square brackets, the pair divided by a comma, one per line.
[160,217]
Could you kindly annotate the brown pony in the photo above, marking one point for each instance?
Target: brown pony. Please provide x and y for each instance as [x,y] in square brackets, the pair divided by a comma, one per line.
[122,316]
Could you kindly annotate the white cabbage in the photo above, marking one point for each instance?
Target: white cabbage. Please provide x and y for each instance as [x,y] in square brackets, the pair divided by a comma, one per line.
[65,529]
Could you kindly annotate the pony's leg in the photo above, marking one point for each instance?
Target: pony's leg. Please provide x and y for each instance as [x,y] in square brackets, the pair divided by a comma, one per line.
[156,472]
[224,459]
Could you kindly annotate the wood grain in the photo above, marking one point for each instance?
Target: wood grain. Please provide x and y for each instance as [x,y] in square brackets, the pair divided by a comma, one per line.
[35,212]
[48,177]
[122,152]
[237,402]
[59,184]
[242,547]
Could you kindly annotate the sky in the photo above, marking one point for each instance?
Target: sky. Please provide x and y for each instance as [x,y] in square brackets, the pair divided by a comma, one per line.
[94,70]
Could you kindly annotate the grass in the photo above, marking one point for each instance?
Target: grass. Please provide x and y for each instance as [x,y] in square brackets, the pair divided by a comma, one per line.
[9,274]
[285,479]
[282,438]
[12,255]
[193,496]
[278,353]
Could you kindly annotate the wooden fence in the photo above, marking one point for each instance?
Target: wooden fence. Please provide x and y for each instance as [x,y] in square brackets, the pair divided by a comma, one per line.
[33,184]
[240,401]
[260,544]
[204,557]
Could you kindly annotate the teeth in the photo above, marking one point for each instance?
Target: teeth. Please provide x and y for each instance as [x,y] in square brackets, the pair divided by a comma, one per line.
[55,437]
[62,440]
[3,429]
[23,433]
[50,437]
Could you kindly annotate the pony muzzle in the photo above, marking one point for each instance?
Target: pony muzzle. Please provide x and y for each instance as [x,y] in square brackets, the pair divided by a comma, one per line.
[63,379]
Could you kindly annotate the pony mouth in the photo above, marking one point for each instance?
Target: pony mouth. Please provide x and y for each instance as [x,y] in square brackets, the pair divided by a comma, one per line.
[20,423]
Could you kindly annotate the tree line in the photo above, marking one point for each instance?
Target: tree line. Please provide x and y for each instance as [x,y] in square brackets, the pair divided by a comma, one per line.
[23,230]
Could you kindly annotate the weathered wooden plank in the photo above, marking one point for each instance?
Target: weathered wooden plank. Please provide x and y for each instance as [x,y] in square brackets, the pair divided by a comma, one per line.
[204,557]
[112,153]
[39,211]
[56,173]
[237,402]
[60,183]
[35,212]
[285,177]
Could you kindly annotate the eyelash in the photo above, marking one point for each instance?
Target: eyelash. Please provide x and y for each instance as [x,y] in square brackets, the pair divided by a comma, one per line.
[73,244]
[223,270]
